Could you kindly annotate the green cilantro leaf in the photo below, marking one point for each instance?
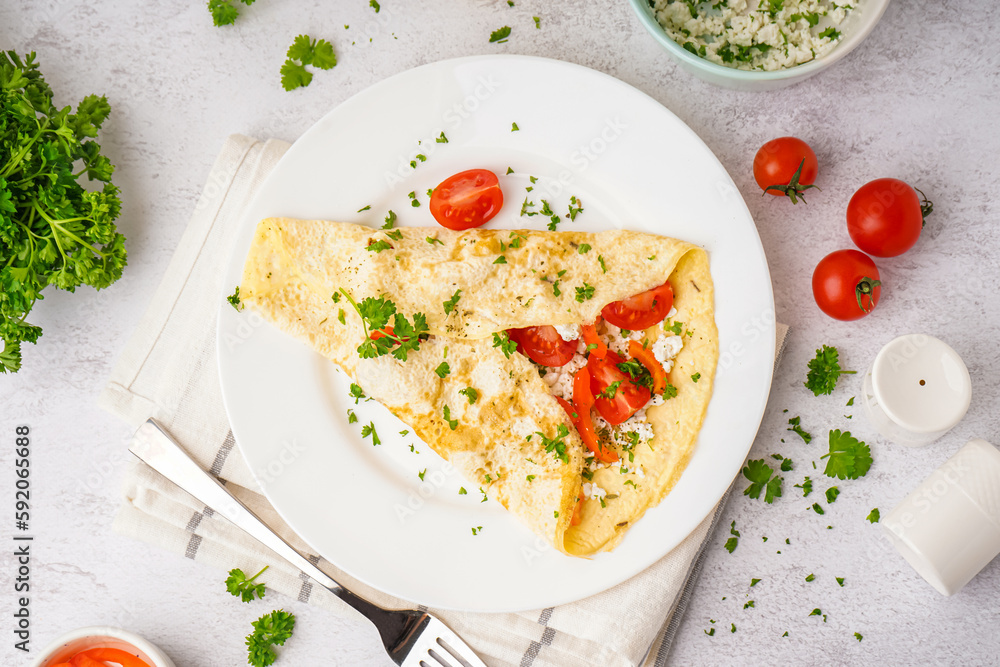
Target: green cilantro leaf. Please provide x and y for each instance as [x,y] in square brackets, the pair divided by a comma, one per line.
[806,486]
[773,489]
[824,371]
[848,457]
[831,494]
[223,12]
[450,304]
[500,35]
[733,541]
[238,584]
[873,516]
[584,248]
[794,421]
[470,393]
[443,370]
[305,51]
[268,630]
[759,475]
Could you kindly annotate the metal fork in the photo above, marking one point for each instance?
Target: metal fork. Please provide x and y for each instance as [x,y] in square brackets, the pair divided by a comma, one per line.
[411,638]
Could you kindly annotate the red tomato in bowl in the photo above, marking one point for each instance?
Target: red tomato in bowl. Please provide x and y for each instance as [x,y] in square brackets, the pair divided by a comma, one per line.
[642,310]
[627,397]
[466,200]
[776,162]
[543,345]
[846,285]
[885,216]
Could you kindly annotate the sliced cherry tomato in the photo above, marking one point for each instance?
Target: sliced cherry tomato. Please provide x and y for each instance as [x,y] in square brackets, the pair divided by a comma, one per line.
[642,310]
[575,521]
[885,216]
[466,200]
[543,345]
[627,397]
[116,655]
[590,337]
[646,358]
[785,167]
[846,285]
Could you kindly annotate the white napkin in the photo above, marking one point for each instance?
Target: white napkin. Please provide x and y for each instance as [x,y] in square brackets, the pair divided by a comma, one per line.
[168,371]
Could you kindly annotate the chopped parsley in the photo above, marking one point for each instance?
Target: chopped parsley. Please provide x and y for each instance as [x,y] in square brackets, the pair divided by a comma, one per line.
[513,126]
[470,393]
[873,516]
[585,293]
[584,248]
[811,577]
[732,542]
[234,299]
[421,474]
[394,234]
[365,208]
[670,391]
[676,327]
[442,139]
[557,445]
[600,259]
[400,338]
[369,430]
[754,582]
[696,377]
[378,246]
[848,458]
[374,5]
[351,417]
[357,393]
[840,581]
[462,491]
[555,288]
[502,340]
[831,494]
[816,508]
[450,304]
[433,239]
[452,423]
[390,220]
[530,477]
[500,260]
[760,476]
[443,369]
[538,22]
[858,636]
[475,531]
[794,421]
[824,371]
[413,198]
[575,208]
[342,316]
[611,390]
[831,33]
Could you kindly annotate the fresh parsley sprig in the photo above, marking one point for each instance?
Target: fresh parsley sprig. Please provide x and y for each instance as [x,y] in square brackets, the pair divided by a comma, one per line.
[824,371]
[848,458]
[238,584]
[400,339]
[760,476]
[224,12]
[305,51]
[268,630]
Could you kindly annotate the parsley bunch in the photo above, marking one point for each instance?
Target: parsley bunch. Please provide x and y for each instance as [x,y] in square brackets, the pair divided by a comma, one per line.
[400,338]
[268,630]
[52,230]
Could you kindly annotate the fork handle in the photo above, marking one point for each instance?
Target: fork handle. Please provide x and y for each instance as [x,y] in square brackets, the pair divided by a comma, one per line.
[158,449]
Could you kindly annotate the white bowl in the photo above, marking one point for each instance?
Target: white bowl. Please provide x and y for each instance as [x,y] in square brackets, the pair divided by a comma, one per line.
[63,648]
[855,28]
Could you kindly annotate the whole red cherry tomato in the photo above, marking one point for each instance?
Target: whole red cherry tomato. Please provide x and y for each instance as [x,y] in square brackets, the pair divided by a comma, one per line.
[786,167]
[885,216]
[467,199]
[846,285]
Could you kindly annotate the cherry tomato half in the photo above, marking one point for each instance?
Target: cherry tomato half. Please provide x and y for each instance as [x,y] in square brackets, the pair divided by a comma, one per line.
[467,199]
[775,165]
[885,216]
[846,285]
[627,397]
[543,345]
[642,310]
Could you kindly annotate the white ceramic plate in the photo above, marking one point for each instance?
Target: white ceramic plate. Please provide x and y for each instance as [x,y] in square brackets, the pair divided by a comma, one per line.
[582,133]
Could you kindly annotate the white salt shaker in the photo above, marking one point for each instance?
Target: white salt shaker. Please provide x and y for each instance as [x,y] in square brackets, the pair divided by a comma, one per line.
[948,529]
[916,390]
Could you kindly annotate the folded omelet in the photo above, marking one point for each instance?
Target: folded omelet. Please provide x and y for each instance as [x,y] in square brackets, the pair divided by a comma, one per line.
[492,416]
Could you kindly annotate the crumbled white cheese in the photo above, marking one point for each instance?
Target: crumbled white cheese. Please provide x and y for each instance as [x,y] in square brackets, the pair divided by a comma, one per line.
[613,338]
[762,36]
[568,332]
[673,311]
[665,348]
[560,378]
[626,468]
[593,492]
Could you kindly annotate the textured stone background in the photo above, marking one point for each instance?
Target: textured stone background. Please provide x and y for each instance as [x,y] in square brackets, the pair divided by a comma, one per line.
[917,101]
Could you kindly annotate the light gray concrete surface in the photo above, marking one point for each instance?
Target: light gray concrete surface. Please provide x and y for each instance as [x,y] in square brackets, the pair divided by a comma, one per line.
[917,101]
